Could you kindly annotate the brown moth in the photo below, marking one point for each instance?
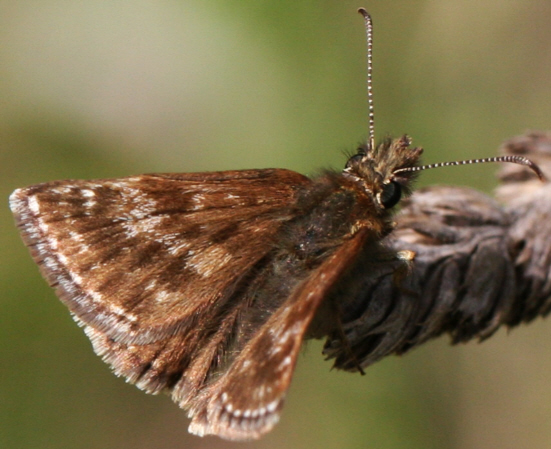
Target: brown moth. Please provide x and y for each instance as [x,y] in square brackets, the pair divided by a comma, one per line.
[204,285]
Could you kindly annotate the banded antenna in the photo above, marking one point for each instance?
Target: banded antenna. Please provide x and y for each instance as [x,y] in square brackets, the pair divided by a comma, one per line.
[369,34]
[512,159]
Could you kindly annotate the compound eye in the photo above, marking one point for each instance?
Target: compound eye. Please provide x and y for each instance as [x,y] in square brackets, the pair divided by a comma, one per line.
[390,195]
[354,160]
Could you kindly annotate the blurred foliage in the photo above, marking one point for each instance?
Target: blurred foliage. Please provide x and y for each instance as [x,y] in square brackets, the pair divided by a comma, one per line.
[104,89]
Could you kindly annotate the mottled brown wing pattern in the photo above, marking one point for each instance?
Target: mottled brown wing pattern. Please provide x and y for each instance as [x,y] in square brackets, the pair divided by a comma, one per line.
[204,285]
[163,272]
[176,235]
[246,400]
[142,261]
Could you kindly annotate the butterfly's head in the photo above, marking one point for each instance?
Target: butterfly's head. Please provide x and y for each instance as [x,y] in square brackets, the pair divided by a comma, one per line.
[375,167]
[380,169]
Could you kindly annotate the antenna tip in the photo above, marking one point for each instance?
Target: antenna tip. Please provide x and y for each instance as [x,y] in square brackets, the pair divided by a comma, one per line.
[535,169]
[363,12]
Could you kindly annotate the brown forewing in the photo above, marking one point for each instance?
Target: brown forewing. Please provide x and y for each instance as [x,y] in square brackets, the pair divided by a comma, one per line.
[164,248]
[162,269]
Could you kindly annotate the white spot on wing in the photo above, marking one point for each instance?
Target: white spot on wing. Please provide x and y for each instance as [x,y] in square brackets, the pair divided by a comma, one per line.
[209,260]
[33,205]
[148,225]
[176,249]
[88,193]
[271,407]
[198,201]
[164,296]
[285,362]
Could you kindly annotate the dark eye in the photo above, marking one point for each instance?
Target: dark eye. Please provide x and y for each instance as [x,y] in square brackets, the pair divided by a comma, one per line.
[390,195]
[354,159]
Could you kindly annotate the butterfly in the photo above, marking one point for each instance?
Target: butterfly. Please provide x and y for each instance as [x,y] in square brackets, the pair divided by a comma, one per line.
[204,285]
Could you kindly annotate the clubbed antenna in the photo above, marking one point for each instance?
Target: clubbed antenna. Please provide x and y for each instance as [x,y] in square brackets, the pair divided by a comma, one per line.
[369,33]
[513,159]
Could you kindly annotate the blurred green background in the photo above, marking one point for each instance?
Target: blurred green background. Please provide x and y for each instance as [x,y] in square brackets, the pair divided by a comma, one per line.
[94,89]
